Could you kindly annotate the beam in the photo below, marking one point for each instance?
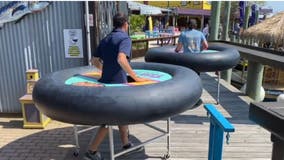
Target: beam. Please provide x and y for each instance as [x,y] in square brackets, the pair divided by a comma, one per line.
[254,80]
[215,20]
[227,74]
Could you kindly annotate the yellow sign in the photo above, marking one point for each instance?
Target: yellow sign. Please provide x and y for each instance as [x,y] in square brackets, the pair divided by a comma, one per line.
[182,4]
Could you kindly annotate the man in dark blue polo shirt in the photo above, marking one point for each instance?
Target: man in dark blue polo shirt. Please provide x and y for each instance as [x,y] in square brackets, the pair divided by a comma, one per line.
[112,58]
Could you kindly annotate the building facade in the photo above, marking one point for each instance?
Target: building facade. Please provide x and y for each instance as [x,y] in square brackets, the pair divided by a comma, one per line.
[43,39]
[184,10]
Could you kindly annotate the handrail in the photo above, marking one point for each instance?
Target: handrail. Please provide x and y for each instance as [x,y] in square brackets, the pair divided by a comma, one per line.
[256,54]
[219,118]
[153,39]
[251,47]
[218,125]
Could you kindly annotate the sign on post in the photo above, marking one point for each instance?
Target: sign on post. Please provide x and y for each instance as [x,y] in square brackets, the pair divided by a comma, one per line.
[73,43]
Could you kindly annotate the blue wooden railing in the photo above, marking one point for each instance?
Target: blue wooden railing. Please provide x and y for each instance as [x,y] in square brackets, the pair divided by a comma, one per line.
[218,125]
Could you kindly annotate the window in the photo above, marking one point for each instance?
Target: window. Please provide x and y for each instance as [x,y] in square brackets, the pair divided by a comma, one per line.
[183,3]
[196,3]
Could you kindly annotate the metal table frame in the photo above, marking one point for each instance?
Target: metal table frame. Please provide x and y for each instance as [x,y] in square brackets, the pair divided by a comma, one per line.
[218,88]
[114,155]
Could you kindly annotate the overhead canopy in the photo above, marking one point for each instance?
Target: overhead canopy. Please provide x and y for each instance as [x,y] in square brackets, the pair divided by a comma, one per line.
[146,9]
[265,11]
[184,11]
[271,30]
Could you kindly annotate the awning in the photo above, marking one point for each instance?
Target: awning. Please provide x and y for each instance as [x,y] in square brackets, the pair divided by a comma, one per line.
[146,9]
[265,11]
[200,12]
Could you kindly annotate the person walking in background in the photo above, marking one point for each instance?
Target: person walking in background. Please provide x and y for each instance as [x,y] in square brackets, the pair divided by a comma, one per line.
[237,29]
[220,31]
[112,57]
[192,40]
[146,26]
[206,31]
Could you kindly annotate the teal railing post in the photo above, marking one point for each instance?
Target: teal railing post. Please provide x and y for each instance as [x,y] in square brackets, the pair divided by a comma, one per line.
[218,126]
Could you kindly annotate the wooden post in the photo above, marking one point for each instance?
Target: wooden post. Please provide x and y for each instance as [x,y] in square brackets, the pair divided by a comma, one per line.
[256,16]
[96,23]
[147,45]
[227,74]
[202,22]
[247,14]
[214,25]
[246,22]
[254,80]
[226,20]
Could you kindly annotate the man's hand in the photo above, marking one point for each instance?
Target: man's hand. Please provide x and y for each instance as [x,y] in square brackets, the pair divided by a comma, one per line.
[123,62]
[95,61]
[92,61]
[139,79]
[178,48]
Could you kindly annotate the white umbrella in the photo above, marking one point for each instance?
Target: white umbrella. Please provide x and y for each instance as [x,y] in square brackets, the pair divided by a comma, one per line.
[150,11]
[146,9]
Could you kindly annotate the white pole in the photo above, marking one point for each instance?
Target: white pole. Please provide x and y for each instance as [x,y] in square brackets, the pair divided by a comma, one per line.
[88,31]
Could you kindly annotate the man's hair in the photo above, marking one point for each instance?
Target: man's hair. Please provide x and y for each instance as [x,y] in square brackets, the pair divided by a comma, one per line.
[192,24]
[119,19]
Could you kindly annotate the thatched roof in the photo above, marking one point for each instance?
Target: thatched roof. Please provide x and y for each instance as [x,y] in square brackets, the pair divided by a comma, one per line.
[269,30]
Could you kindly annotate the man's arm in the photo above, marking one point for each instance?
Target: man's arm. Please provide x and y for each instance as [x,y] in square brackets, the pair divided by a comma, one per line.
[204,44]
[179,47]
[96,61]
[124,48]
[123,62]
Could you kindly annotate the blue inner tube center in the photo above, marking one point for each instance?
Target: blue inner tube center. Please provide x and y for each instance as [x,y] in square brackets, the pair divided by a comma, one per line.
[153,75]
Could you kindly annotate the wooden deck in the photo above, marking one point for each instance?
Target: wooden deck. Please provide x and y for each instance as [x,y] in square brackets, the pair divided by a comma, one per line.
[189,134]
[190,130]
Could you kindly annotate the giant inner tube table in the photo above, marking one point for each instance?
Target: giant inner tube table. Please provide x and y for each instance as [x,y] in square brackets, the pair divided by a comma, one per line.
[270,115]
[216,58]
[74,96]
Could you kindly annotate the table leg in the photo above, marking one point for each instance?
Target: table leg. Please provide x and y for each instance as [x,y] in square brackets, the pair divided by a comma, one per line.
[278,148]
[111,144]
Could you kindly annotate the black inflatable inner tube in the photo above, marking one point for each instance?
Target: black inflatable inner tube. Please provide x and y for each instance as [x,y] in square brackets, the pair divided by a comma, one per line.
[225,59]
[117,105]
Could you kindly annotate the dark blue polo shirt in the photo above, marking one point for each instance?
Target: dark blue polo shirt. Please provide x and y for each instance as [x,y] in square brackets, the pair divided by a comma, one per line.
[108,49]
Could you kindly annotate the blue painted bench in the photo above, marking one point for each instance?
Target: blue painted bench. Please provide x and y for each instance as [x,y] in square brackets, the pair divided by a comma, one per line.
[218,125]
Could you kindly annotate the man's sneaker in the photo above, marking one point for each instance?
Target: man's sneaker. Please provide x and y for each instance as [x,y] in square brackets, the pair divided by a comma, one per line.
[128,146]
[89,155]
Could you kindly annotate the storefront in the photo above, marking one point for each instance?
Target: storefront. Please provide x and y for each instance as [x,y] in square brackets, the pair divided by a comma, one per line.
[50,39]
[183,16]
[182,11]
